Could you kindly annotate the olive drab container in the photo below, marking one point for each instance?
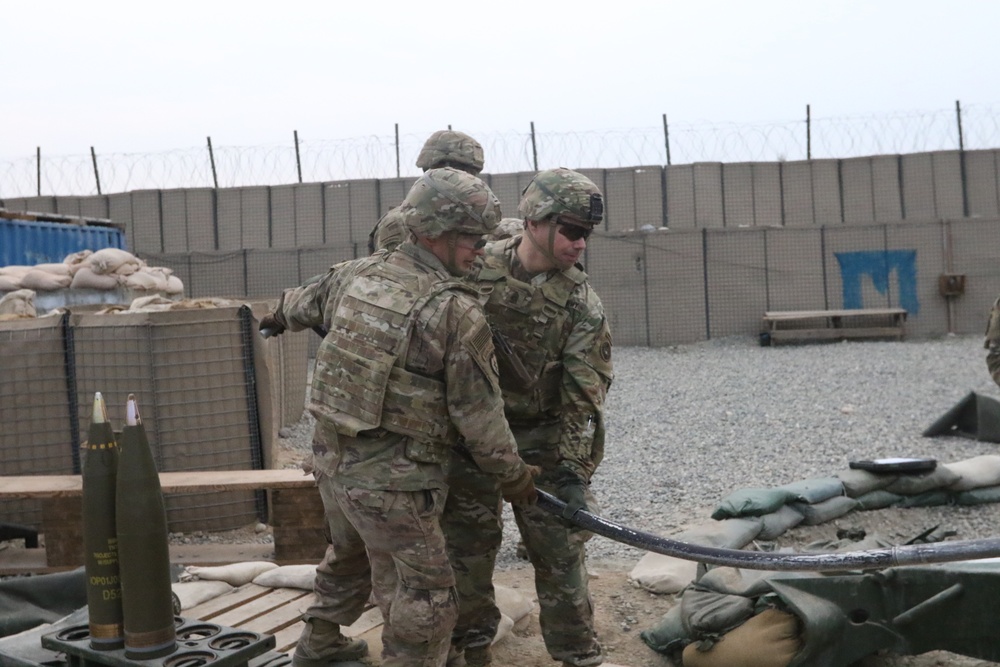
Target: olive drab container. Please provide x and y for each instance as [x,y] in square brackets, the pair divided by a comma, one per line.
[142,542]
[104,593]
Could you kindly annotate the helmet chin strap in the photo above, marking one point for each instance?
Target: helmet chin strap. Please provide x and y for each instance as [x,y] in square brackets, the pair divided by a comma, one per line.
[452,264]
[548,253]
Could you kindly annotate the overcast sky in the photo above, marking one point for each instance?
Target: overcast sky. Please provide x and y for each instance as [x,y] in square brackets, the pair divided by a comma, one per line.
[136,77]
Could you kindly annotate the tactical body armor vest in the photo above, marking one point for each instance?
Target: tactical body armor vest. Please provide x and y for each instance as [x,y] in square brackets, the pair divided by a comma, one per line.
[360,362]
[534,321]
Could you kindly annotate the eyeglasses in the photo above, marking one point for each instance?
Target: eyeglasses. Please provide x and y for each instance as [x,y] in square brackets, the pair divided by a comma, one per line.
[471,241]
[571,231]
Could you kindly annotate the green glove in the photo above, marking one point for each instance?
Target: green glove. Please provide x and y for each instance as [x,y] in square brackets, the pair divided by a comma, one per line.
[572,489]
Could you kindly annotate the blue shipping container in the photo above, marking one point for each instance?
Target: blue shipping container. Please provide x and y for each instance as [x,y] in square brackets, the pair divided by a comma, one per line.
[27,243]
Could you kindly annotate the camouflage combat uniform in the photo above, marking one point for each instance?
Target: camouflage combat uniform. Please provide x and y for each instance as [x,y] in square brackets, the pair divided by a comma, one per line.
[993,342]
[554,404]
[405,371]
[443,148]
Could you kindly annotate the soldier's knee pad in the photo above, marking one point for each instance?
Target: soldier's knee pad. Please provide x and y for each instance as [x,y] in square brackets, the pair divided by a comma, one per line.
[423,615]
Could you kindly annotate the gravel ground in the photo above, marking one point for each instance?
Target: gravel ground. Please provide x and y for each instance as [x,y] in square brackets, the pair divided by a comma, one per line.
[688,424]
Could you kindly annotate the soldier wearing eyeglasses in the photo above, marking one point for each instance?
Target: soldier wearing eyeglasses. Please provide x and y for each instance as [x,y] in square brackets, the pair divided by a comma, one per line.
[554,350]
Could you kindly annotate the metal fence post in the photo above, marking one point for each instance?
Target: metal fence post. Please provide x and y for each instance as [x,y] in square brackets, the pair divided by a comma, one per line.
[666,138]
[809,149]
[38,165]
[97,176]
[534,147]
[211,158]
[397,150]
[298,158]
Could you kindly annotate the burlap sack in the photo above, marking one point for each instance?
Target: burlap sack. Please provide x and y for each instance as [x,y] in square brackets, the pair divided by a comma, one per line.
[17,304]
[234,574]
[108,260]
[288,576]
[975,473]
[43,281]
[85,278]
[193,593]
[769,639]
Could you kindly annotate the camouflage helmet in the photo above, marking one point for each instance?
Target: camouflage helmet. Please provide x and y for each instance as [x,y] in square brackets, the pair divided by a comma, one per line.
[446,199]
[450,148]
[507,228]
[563,192]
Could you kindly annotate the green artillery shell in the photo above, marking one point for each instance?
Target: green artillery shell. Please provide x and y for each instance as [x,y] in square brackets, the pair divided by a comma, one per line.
[100,542]
[142,542]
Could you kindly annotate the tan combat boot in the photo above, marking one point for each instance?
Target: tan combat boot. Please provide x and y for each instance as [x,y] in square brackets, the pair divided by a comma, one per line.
[323,645]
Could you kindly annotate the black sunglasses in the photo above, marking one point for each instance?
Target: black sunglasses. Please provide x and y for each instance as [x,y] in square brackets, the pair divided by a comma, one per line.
[573,232]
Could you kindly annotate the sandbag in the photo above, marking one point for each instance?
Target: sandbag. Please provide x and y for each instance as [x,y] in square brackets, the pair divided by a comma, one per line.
[707,614]
[975,473]
[234,574]
[878,499]
[107,260]
[980,496]
[193,593]
[934,498]
[9,283]
[77,260]
[145,281]
[288,576]
[751,502]
[859,482]
[174,285]
[818,513]
[815,490]
[668,574]
[85,278]
[18,304]
[776,523]
[43,281]
[769,639]
[56,268]
[910,485]
[668,635]
[663,574]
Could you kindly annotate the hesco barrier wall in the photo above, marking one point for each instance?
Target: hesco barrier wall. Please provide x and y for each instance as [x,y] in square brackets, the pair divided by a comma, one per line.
[742,238]
[668,287]
[211,393]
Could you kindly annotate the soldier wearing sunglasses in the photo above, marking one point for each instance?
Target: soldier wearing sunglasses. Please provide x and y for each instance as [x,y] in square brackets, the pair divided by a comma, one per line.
[554,351]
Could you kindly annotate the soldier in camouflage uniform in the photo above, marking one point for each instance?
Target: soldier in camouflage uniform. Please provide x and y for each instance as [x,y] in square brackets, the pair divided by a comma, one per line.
[554,350]
[405,372]
[444,148]
[993,342]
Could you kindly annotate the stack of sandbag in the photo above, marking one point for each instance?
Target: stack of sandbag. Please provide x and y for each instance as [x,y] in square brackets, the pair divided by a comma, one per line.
[110,267]
[972,481]
[105,269]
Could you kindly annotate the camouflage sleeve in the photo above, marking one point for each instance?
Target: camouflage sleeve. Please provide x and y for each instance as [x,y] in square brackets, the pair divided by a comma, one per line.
[305,306]
[587,376]
[474,400]
[992,342]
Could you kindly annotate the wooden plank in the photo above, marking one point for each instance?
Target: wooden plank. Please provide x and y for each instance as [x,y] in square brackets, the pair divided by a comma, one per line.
[286,638]
[273,599]
[814,314]
[209,610]
[53,486]
[283,615]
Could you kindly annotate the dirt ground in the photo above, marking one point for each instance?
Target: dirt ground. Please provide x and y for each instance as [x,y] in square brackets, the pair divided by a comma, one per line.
[623,610]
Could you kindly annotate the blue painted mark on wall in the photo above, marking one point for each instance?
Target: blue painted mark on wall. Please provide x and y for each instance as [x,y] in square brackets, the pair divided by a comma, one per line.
[879,265]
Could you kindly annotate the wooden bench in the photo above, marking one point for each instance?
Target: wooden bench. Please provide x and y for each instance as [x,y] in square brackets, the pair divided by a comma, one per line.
[785,325]
[296,509]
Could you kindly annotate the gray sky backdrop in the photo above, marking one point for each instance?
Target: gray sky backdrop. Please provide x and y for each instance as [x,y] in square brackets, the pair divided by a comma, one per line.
[136,77]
